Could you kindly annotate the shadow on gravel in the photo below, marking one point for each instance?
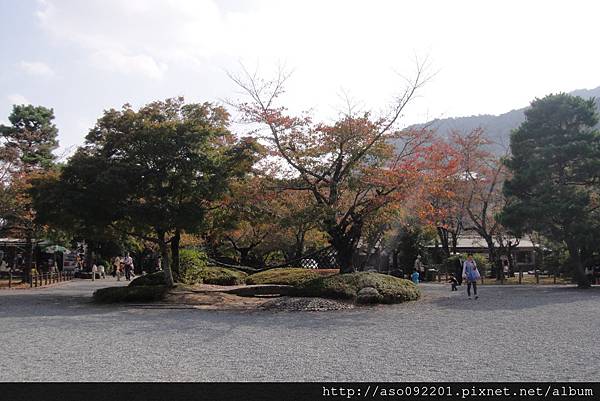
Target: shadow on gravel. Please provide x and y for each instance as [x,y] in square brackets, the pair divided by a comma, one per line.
[49,305]
[513,298]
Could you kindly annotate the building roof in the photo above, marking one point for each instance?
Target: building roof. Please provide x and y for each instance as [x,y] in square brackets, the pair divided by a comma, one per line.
[471,242]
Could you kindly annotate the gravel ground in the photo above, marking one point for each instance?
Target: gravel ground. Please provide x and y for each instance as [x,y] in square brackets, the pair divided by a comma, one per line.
[510,333]
[293,304]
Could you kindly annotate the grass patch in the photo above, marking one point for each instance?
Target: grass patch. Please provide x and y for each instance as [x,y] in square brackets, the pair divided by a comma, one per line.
[286,276]
[130,294]
[346,286]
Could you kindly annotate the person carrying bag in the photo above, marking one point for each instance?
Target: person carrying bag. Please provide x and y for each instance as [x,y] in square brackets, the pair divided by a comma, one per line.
[471,274]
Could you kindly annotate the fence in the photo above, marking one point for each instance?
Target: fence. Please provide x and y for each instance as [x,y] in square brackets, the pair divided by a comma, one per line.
[38,280]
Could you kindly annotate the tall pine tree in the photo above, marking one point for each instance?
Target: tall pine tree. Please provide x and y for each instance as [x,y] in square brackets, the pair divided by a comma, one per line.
[556,172]
[29,141]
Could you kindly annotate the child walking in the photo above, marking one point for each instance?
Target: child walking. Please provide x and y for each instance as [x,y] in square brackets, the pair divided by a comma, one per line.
[454,282]
[415,277]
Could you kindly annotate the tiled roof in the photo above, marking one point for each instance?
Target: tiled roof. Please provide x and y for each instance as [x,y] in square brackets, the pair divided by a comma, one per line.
[471,242]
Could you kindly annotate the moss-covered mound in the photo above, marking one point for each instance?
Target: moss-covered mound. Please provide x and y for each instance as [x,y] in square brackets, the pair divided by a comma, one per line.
[194,269]
[221,276]
[388,289]
[130,294]
[287,276]
[156,278]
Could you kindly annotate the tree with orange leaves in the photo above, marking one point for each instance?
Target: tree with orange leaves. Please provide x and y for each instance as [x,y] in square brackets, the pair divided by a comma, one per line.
[352,168]
[259,223]
[439,201]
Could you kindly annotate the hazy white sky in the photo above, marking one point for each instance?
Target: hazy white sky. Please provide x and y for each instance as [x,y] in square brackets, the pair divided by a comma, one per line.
[81,57]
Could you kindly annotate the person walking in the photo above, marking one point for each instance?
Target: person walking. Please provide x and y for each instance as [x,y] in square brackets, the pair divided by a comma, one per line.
[117,266]
[420,267]
[94,271]
[458,265]
[128,262]
[101,271]
[415,277]
[471,275]
[453,282]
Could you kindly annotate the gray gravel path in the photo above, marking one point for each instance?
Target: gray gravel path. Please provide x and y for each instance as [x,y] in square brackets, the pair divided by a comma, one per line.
[510,333]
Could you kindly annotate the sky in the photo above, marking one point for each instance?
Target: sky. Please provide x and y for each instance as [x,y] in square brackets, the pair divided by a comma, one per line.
[484,57]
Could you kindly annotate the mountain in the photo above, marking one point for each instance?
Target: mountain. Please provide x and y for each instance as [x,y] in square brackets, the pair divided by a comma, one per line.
[498,128]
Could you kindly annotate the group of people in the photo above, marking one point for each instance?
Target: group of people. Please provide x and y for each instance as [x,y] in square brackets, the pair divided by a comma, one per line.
[123,266]
[469,273]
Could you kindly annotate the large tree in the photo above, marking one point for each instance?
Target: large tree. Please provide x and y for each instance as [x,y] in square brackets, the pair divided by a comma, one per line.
[26,147]
[352,168]
[482,174]
[154,173]
[260,223]
[556,174]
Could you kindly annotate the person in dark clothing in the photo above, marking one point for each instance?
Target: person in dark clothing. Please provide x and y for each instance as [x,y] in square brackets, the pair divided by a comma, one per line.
[454,282]
[458,266]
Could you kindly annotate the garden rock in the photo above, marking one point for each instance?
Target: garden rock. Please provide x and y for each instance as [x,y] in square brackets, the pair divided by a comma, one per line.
[368,295]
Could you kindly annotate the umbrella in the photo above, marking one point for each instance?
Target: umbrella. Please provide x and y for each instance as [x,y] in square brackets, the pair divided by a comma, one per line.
[55,248]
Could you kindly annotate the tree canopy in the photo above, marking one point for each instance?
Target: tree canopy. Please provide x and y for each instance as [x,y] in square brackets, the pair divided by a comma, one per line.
[153,173]
[555,180]
[353,167]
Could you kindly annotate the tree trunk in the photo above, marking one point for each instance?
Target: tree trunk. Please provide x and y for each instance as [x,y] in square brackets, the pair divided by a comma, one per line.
[28,255]
[345,253]
[454,242]
[395,259]
[245,256]
[164,253]
[443,236]
[494,260]
[89,256]
[175,253]
[575,255]
[299,247]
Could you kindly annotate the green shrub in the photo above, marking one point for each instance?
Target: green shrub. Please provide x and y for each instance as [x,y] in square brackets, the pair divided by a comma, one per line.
[347,286]
[194,269]
[287,276]
[483,263]
[191,263]
[222,276]
[156,278]
[130,294]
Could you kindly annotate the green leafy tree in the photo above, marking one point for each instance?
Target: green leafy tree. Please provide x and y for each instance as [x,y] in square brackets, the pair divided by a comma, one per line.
[555,168]
[154,173]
